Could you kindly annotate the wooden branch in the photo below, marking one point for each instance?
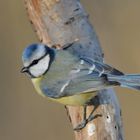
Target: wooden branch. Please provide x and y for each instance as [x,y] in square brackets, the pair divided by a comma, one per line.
[63,21]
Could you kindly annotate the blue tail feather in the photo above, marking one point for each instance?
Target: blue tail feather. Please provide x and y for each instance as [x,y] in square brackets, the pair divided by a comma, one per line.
[128,80]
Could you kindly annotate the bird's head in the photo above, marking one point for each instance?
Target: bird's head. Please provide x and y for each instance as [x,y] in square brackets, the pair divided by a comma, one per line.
[37,59]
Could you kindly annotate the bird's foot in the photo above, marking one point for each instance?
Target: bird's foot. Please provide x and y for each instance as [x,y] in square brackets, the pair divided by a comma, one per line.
[85,119]
[81,125]
[85,122]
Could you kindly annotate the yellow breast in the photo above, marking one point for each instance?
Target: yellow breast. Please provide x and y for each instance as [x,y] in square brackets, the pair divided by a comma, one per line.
[78,99]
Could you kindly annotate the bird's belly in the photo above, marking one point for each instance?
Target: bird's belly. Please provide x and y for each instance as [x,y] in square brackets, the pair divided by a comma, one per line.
[75,100]
[78,99]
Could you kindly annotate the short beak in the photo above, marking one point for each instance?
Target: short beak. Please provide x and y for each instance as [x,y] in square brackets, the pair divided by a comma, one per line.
[24,69]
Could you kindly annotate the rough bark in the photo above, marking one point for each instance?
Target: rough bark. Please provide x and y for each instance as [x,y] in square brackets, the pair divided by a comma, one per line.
[64,21]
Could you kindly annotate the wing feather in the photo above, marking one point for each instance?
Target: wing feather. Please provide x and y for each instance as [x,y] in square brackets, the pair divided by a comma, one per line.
[75,74]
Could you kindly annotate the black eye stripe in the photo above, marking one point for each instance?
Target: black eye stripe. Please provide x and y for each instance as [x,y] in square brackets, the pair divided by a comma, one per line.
[33,63]
[37,60]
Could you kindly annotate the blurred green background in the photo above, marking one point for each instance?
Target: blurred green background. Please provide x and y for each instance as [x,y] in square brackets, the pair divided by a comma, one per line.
[24,115]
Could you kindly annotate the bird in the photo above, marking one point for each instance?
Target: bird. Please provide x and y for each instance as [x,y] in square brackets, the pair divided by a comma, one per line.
[71,76]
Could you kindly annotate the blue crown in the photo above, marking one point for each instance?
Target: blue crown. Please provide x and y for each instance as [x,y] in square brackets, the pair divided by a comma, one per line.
[28,52]
[40,50]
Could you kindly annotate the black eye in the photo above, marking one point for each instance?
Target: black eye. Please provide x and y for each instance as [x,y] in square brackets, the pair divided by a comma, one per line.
[35,62]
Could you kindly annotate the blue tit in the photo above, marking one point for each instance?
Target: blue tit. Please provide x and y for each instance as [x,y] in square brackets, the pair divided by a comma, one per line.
[70,75]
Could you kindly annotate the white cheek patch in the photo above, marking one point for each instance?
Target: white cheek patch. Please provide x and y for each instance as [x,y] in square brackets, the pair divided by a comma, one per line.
[40,67]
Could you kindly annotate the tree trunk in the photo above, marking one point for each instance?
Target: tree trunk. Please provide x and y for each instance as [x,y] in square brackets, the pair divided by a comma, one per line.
[64,21]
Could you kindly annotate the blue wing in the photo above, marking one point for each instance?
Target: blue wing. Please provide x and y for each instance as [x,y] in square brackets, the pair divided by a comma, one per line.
[79,74]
